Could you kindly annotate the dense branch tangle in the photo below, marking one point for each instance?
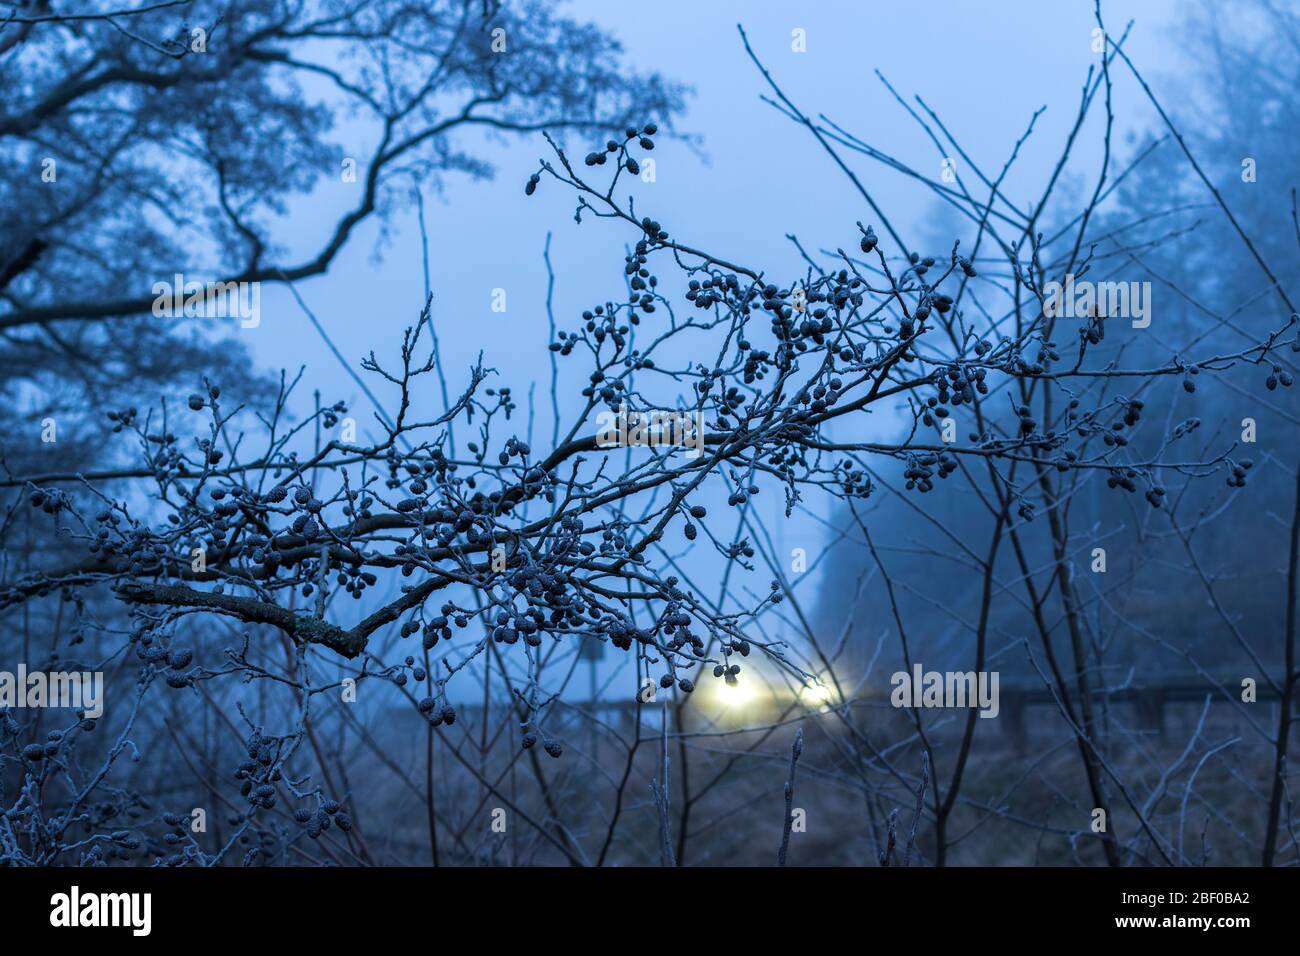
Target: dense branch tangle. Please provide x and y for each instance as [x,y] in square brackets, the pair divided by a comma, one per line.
[556,546]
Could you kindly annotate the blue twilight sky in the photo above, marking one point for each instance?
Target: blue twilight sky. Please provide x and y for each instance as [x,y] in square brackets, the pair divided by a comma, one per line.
[983,67]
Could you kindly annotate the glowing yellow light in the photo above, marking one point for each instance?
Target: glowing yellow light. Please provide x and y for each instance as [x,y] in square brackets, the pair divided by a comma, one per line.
[816,695]
[737,693]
